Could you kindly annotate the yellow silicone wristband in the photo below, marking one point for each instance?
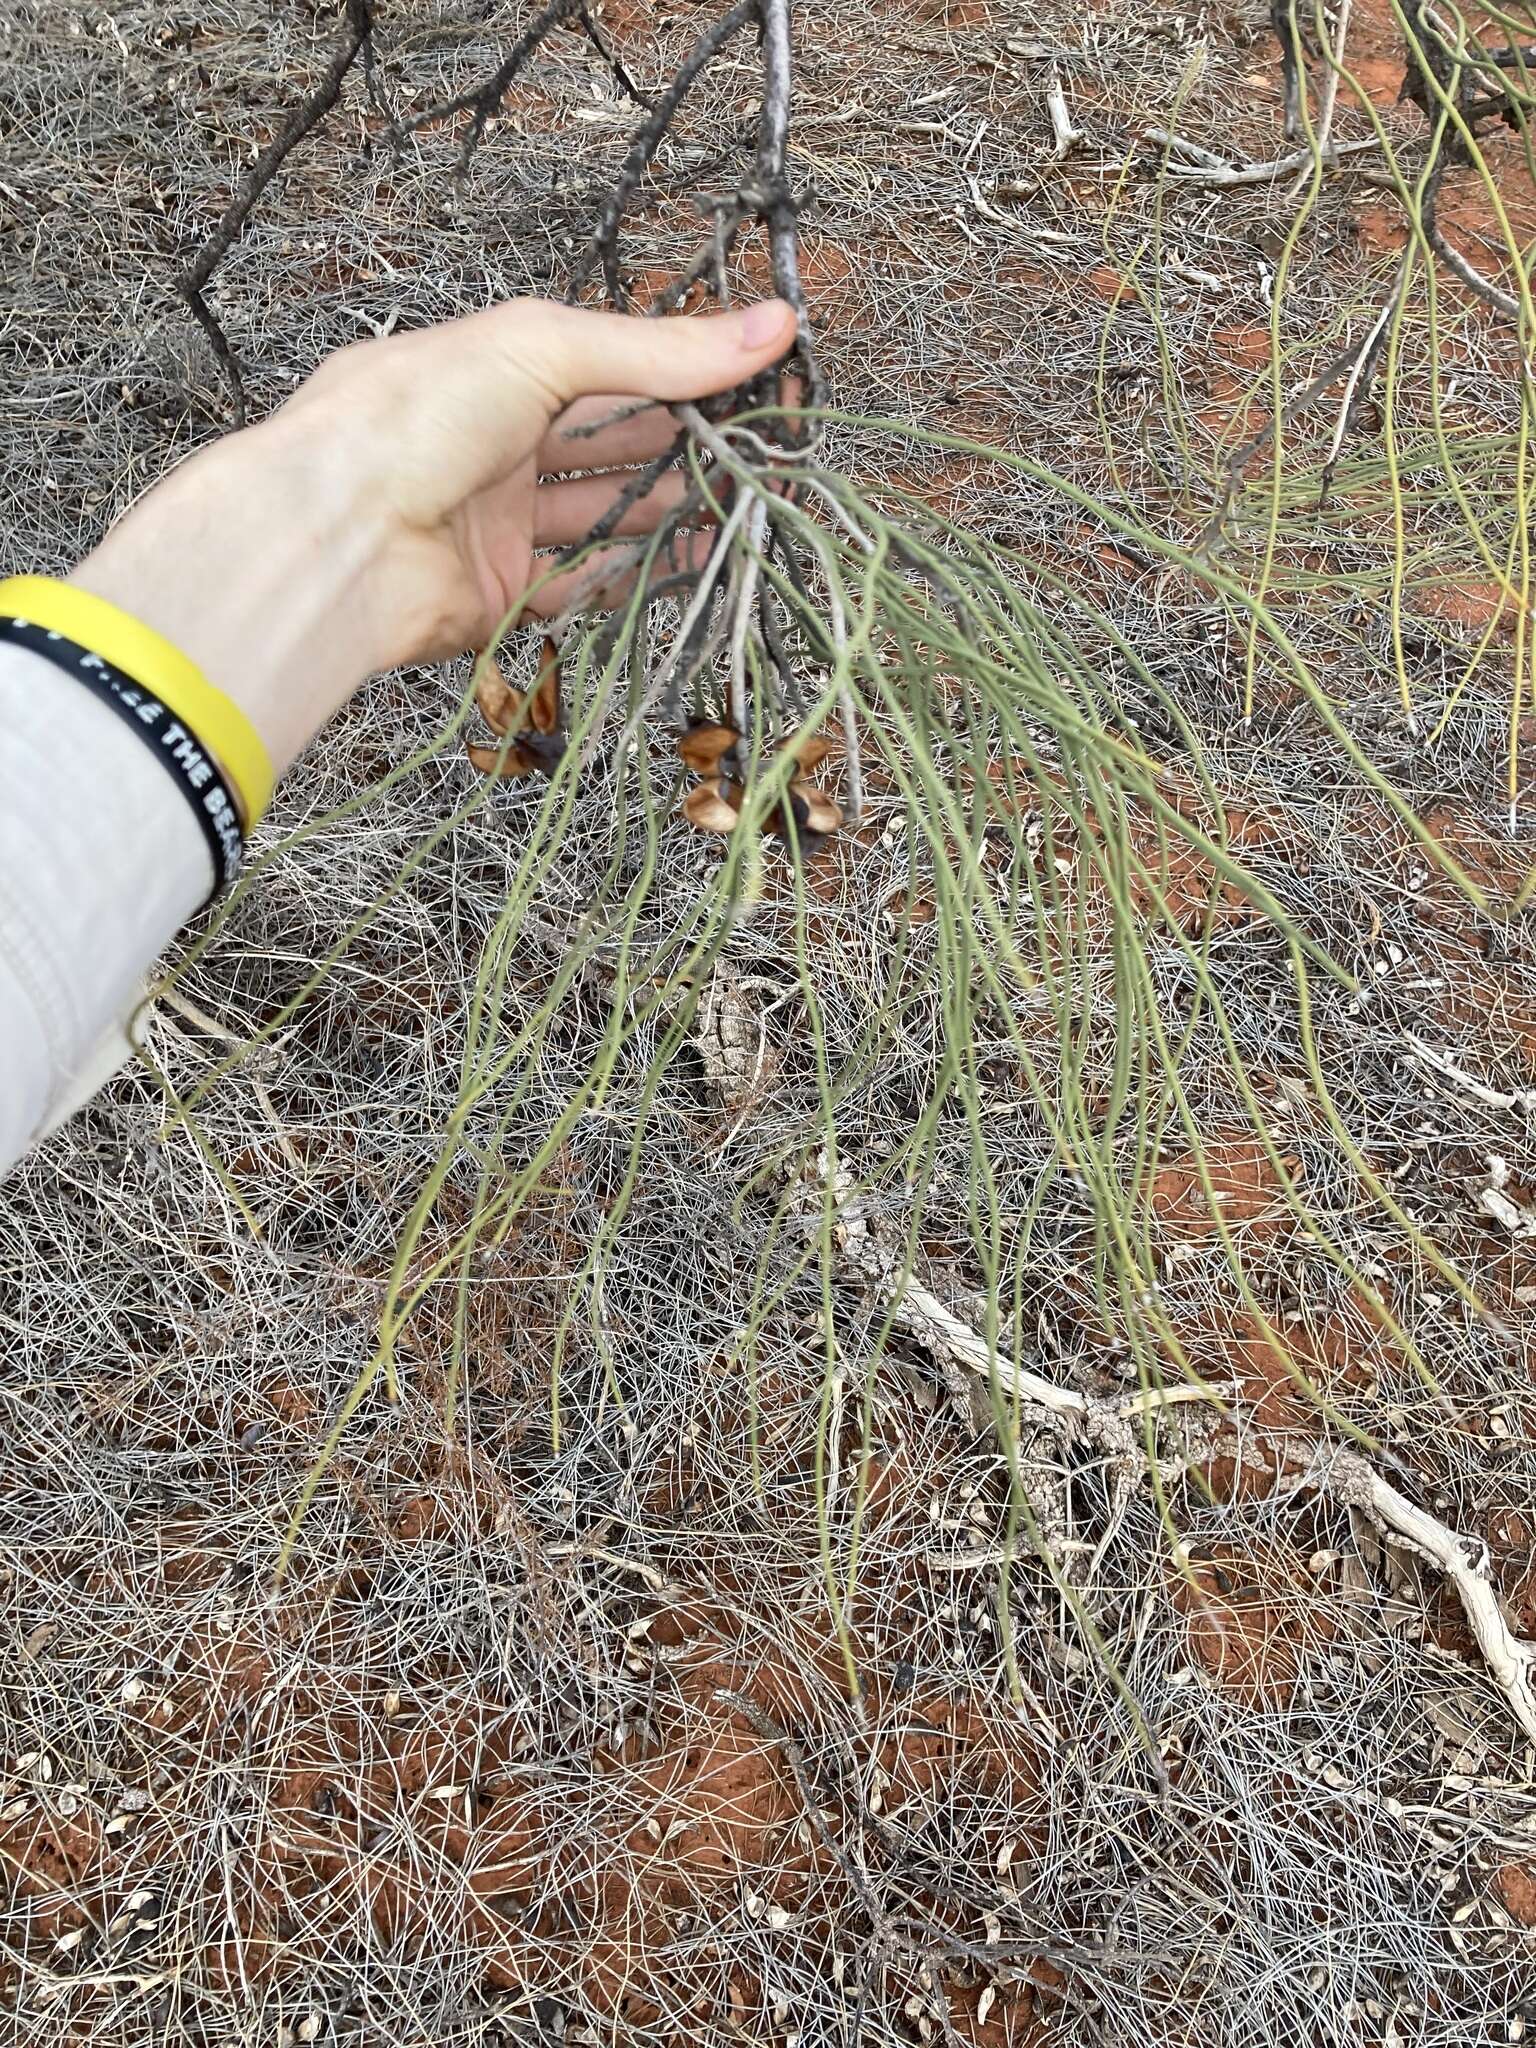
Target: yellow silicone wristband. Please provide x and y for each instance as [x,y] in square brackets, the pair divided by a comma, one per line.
[149,658]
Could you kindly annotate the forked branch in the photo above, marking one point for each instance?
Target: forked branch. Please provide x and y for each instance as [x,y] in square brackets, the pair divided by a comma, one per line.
[355,42]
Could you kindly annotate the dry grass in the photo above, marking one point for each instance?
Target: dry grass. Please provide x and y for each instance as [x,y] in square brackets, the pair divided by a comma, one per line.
[540,1743]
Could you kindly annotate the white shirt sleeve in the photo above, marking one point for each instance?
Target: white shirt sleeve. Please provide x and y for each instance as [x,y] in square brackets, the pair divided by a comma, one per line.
[101,862]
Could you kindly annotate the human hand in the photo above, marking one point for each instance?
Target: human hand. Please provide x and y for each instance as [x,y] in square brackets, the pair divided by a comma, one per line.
[392,510]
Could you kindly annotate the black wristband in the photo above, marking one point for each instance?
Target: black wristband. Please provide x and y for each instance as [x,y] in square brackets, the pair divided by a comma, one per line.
[185,759]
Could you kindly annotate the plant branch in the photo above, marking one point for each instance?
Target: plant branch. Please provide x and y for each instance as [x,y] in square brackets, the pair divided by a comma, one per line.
[305,117]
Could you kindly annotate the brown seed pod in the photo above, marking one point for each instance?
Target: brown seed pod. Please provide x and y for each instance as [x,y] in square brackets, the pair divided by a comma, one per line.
[499,702]
[704,746]
[539,745]
[544,712]
[807,817]
[709,806]
[823,814]
[508,767]
[807,750]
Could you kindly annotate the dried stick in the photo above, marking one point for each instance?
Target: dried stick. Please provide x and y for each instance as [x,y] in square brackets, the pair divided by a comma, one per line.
[309,115]
[1282,19]
[649,138]
[1357,384]
[775,196]
[611,58]
[1491,1098]
[1344,1474]
[926,1318]
[1430,65]
[481,101]
[639,485]
[767,1728]
[1504,303]
[1065,134]
[1324,134]
[1210,171]
[1354,363]
[713,257]
[1331,89]
[1350,1479]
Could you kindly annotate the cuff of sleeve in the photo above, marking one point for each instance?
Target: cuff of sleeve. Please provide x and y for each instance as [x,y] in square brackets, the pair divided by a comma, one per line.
[150,659]
[100,864]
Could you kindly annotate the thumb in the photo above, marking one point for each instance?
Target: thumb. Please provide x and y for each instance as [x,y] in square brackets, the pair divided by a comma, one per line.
[575,353]
[449,410]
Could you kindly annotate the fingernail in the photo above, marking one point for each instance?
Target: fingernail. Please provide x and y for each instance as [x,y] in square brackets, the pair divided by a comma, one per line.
[764,323]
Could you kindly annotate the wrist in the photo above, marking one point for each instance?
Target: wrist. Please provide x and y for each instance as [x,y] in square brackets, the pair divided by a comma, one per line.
[253,559]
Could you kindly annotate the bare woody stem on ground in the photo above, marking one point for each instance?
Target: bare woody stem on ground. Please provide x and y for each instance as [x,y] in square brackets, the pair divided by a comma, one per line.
[1347,1476]
[1343,1473]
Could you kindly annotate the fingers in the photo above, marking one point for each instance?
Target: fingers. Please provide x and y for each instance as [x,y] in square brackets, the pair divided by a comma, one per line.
[438,415]
[621,433]
[605,580]
[629,431]
[564,513]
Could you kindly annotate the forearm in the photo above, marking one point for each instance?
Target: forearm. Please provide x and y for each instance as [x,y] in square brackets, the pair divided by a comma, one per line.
[269,615]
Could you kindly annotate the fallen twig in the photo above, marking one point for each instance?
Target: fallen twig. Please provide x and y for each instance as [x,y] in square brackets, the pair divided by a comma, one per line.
[1210,170]
[1491,1098]
[649,137]
[774,195]
[1065,133]
[1347,1476]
